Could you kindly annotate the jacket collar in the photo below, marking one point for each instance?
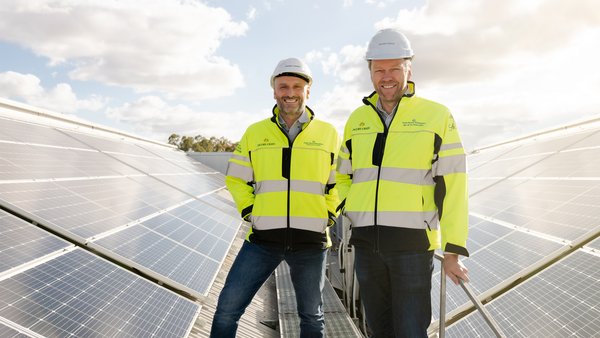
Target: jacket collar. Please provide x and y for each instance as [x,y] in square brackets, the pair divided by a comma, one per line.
[309,112]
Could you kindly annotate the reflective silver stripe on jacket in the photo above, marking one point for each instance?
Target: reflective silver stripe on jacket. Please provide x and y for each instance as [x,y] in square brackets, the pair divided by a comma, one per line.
[331,179]
[278,222]
[344,166]
[400,175]
[401,219]
[449,146]
[240,158]
[240,171]
[450,165]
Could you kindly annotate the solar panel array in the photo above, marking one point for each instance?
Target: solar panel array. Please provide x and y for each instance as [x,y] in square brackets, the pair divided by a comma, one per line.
[83,209]
[533,205]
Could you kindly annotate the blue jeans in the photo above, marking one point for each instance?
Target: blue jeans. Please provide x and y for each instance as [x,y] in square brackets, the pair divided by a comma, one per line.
[395,288]
[252,267]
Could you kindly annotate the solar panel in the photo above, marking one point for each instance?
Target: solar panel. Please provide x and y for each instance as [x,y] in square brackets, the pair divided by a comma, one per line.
[595,244]
[195,184]
[561,301]
[475,160]
[146,206]
[581,162]
[507,166]
[498,254]
[78,294]
[563,209]
[21,242]
[185,245]
[29,162]
[567,156]
[109,145]
[36,134]
[543,145]
[528,205]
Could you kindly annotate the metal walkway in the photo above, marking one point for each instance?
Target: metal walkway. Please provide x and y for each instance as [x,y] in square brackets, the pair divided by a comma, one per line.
[337,321]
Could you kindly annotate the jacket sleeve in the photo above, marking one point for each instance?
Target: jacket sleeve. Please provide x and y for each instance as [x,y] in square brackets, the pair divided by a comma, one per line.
[331,195]
[344,167]
[240,178]
[451,193]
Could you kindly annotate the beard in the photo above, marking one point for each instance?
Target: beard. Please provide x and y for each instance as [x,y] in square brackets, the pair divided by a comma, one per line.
[290,108]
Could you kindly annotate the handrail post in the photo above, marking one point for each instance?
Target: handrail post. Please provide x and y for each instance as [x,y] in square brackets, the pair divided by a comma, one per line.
[469,291]
[442,320]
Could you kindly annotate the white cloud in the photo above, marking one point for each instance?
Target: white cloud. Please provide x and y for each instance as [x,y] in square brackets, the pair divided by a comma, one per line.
[155,118]
[380,3]
[168,47]
[61,98]
[251,15]
[348,65]
[504,68]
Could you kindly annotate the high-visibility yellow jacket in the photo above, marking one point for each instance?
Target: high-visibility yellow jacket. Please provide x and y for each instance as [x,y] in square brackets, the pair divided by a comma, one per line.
[286,190]
[402,184]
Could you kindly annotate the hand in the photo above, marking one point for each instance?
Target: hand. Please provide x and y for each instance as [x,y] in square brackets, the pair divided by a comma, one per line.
[455,268]
[332,219]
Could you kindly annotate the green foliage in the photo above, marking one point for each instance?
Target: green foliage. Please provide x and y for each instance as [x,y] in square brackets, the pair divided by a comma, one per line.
[200,143]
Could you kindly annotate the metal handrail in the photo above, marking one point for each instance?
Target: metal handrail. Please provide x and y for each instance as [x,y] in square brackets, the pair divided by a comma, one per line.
[469,291]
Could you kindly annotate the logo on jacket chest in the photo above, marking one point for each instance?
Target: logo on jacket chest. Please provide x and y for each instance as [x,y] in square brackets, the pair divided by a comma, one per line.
[413,123]
[265,143]
[313,143]
[361,127]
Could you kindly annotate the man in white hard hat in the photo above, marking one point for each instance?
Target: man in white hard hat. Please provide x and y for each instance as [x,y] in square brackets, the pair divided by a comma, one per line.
[282,178]
[403,185]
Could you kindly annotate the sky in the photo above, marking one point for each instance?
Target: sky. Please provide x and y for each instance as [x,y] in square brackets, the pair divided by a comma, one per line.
[504,68]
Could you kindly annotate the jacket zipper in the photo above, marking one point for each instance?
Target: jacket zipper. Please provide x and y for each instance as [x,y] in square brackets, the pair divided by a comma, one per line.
[287,241]
[383,143]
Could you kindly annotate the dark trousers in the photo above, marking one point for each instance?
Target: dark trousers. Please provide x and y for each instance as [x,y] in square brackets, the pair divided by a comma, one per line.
[395,288]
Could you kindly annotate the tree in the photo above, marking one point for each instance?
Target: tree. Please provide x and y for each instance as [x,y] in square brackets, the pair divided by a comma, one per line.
[174,139]
[200,143]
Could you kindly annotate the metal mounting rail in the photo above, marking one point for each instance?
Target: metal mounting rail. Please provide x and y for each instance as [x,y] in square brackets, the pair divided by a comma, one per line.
[469,291]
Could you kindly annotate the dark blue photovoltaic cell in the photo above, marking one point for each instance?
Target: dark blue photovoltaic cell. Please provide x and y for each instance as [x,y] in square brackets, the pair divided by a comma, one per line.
[561,301]
[498,253]
[21,242]
[186,245]
[78,294]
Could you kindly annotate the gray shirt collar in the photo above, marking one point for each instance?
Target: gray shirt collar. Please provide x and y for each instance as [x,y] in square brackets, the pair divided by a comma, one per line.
[387,118]
[295,129]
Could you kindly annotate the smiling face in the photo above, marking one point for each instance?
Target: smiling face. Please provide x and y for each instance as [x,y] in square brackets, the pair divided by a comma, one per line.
[389,79]
[290,92]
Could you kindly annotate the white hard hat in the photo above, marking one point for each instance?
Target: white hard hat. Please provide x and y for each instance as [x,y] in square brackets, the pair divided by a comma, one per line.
[292,67]
[389,44]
